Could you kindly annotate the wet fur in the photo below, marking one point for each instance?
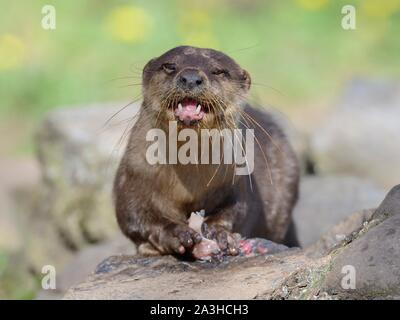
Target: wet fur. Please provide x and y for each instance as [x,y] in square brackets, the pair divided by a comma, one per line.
[153,202]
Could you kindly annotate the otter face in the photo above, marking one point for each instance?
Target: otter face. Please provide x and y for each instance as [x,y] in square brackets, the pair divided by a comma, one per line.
[197,87]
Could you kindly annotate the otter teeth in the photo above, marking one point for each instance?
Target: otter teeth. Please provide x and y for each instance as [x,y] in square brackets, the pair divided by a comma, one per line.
[180,107]
[198,109]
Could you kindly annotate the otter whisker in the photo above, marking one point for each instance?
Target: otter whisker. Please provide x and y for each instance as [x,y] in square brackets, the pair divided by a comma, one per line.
[262,128]
[169,98]
[234,162]
[123,78]
[257,141]
[219,165]
[250,118]
[240,82]
[130,85]
[214,104]
[263,154]
[120,110]
[245,157]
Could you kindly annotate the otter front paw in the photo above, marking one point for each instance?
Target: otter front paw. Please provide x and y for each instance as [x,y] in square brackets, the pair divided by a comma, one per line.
[175,238]
[227,241]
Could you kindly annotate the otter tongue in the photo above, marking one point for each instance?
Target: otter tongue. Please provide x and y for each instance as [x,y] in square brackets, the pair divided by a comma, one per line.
[187,111]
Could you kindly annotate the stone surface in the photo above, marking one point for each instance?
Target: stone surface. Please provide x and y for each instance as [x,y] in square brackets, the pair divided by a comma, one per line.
[327,200]
[52,208]
[374,253]
[338,233]
[10,235]
[370,245]
[15,175]
[133,277]
[79,150]
[359,137]
[375,258]
[390,205]
[84,262]
[298,139]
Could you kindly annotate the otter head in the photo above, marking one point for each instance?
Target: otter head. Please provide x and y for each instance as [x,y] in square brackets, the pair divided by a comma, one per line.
[197,87]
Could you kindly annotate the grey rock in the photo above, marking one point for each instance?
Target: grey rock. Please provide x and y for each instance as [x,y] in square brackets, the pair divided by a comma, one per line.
[370,247]
[338,233]
[326,200]
[299,140]
[136,277]
[79,150]
[363,265]
[10,234]
[16,175]
[390,205]
[374,254]
[359,137]
[84,262]
[375,257]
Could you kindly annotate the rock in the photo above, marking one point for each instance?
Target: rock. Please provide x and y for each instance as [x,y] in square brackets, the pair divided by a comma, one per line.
[84,262]
[374,256]
[325,201]
[369,247]
[298,139]
[390,205]
[79,150]
[375,260]
[135,277]
[41,245]
[364,265]
[47,221]
[15,175]
[338,233]
[10,235]
[359,137]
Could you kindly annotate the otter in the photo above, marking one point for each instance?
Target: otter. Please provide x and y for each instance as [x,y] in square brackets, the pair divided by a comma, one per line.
[203,88]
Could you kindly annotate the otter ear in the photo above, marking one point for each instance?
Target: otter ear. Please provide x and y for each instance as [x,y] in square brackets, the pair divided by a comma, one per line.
[147,69]
[246,80]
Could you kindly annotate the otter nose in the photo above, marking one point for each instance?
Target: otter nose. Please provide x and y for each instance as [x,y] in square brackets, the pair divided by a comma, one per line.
[190,79]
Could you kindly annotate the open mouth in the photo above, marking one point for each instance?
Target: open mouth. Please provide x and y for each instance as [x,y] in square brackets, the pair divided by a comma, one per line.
[189,111]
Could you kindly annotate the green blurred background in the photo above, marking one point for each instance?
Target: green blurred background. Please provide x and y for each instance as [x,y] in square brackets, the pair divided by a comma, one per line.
[296,50]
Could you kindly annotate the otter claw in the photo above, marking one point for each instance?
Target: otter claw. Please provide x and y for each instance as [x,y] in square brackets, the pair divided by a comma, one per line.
[214,239]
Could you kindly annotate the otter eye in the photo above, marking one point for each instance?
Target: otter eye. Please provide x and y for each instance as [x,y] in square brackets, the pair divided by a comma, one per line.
[169,67]
[220,72]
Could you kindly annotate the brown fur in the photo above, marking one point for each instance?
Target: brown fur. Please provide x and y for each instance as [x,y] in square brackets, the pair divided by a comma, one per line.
[153,202]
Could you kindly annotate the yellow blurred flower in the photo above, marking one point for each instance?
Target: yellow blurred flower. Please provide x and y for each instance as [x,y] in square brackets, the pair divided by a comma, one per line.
[129,23]
[380,9]
[12,52]
[200,39]
[196,28]
[312,4]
